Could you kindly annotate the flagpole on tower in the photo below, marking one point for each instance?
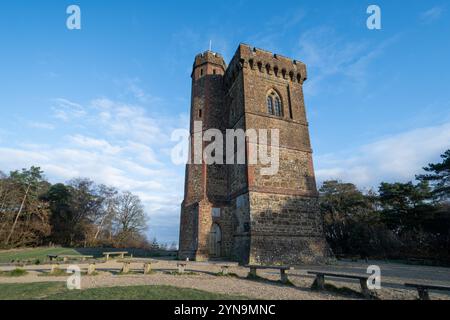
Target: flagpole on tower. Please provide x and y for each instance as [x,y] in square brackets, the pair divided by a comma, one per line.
[210,45]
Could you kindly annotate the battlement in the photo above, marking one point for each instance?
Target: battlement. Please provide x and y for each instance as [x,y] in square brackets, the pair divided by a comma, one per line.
[263,55]
[266,62]
[210,57]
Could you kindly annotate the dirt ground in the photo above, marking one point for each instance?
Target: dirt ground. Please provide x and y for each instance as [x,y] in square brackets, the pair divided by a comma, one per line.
[203,276]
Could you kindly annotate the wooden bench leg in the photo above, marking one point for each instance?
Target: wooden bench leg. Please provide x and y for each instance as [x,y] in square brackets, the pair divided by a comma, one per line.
[65,259]
[54,268]
[224,270]
[365,290]
[91,269]
[107,257]
[423,294]
[253,272]
[147,268]
[181,268]
[284,276]
[126,267]
[319,282]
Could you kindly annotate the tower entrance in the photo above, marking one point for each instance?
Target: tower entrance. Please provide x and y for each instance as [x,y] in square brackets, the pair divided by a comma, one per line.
[215,241]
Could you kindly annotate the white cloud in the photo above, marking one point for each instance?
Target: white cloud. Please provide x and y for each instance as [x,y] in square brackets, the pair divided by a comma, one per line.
[395,158]
[41,125]
[432,14]
[330,56]
[67,110]
[155,186]
[97,144]
[125,120]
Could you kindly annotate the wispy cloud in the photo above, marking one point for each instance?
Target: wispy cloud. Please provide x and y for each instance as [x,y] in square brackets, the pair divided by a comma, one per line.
[397,157]
[276,27]
[329,55]
[432,14]
[41,125]
[67,110]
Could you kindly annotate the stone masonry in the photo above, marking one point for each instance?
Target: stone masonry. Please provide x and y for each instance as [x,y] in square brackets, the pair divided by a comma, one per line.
[232,211]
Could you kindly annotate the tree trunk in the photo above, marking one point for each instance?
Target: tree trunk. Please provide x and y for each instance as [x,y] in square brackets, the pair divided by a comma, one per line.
[99,228]
[18,214]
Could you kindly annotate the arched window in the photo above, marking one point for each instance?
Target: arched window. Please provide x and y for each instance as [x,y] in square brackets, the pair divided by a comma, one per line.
[274,105]
[270,104]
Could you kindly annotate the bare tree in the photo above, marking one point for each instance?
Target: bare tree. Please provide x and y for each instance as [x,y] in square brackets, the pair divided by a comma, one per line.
[130,220]
[110,202]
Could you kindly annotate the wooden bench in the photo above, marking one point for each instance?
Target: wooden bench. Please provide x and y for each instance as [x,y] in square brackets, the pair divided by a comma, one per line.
[181,267]
[66,257]
[224,269]
[422,289]
[126,268]
[75,257]
[283,269]
[91,269]
[121,254]
[319,283]
[52,257]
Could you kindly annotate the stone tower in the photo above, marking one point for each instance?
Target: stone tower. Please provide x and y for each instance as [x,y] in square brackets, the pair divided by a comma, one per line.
[232,211]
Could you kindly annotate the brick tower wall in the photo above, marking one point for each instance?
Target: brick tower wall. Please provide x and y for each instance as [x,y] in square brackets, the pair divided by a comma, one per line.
[263,219]
[285,223]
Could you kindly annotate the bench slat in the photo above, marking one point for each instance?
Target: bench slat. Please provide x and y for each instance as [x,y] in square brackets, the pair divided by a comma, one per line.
[339,275]
[268,267]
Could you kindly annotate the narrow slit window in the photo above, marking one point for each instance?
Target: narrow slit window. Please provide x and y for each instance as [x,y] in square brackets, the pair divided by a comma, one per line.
[278,107]
[269,105]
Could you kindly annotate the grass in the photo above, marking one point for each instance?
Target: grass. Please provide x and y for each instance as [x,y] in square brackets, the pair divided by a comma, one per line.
[58,291]
[39,255]
[13,273]
[35,255]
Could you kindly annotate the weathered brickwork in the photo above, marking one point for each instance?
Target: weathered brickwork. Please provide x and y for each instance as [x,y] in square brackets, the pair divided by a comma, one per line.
[233,211]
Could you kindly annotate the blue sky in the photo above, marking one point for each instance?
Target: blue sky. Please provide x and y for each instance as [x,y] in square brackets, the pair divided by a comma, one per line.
[101,102]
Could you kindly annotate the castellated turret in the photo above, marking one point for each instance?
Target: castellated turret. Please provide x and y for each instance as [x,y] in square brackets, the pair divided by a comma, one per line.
[234,211]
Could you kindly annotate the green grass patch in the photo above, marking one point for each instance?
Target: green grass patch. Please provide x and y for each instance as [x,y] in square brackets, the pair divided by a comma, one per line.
[30,291]
[34,255]
[58,291]
[13,273]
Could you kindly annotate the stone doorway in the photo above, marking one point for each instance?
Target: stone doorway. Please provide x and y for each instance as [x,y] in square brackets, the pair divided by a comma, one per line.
[215,241]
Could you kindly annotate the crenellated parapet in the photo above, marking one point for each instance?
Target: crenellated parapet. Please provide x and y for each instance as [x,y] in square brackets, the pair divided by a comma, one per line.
[208,62]
[265,62]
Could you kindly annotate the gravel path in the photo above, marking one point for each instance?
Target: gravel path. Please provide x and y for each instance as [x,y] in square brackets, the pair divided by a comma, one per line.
[205,278]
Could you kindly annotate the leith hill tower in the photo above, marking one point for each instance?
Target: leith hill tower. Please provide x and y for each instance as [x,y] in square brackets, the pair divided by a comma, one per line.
[232,211]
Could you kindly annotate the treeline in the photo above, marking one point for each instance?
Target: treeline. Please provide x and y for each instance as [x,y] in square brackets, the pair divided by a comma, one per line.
[400,220]
[34,212]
